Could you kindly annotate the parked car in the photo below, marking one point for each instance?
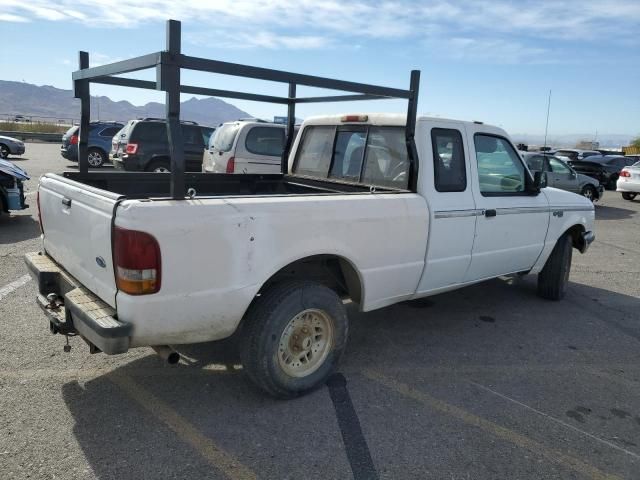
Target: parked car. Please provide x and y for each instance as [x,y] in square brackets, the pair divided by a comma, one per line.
[99,143]
[246,146]
[629,182]
[12,180]
[575,153]
[561,175]
[21,119]
[143,145]
[604,168]
[10,146]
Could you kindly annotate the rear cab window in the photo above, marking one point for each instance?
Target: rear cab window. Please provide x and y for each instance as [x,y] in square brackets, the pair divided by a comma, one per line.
[366,154]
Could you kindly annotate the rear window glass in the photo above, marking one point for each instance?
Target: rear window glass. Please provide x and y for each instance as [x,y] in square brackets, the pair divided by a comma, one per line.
[225,136]
[314,152]
[265,141]
[109,131]
[348,155]
[150,132]
[72,131]
[386,162]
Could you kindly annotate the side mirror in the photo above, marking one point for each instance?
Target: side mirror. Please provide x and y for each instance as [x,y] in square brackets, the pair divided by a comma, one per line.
[539,181]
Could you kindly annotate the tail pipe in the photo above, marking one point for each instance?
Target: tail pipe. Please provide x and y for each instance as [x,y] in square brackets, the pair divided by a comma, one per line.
[167,353]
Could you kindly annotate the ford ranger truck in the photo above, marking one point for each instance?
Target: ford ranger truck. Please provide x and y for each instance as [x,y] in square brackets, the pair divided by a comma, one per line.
[274,258]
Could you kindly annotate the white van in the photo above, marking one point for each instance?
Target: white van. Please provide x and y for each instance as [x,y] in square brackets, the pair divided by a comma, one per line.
[245,146]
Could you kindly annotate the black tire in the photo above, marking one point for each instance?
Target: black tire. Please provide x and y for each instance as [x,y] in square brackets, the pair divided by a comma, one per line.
[159,166]
[588,191]
[554,277]
[629,195]
[4,151]
[96,158]
[264,327]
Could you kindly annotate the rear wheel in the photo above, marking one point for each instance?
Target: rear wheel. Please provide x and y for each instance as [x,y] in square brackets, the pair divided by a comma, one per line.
[4,151]
[554,277]
[293,337]
[589,192]
[96,158]
[629,195]
[159,166]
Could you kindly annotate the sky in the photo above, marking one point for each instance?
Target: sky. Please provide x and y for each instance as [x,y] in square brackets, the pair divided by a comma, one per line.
[492,61]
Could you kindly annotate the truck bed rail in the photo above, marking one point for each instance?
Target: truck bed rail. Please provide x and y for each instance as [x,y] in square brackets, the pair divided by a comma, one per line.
[168,65]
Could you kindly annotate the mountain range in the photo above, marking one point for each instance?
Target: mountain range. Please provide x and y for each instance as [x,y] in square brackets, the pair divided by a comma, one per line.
[47,103]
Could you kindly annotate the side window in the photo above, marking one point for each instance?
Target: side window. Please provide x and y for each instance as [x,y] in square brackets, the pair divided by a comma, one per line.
[265,141]
[109,131]
[450,173]
[557,166]
[386,162]
[348,155]
[314,153]
[500,168]
[191,134]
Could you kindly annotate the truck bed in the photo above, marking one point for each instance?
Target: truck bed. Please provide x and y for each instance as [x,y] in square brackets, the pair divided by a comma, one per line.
[156,185]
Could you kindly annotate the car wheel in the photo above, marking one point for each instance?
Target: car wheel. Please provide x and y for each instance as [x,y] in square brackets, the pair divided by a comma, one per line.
[4,151]
[293,336]
[589,192]
[159,166]
[96,158]
[629,195]
[554,277]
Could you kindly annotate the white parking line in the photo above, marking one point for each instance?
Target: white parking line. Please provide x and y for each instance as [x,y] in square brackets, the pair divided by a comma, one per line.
[10,287]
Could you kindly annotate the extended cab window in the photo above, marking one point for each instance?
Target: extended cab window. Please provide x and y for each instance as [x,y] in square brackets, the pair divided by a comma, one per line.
[450,173]
[265,141]
[500,169]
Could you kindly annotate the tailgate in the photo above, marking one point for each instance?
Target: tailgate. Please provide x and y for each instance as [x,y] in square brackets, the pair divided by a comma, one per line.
[76,220]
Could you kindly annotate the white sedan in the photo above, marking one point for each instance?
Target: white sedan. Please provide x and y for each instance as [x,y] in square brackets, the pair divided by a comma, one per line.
[629,181]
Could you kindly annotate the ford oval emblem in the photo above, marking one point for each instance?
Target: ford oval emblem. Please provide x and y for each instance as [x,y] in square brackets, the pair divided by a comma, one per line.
[101,263]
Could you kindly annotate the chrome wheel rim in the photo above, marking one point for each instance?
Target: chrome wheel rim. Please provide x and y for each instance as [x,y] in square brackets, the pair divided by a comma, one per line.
[95,159]
[161,170]
[305,342]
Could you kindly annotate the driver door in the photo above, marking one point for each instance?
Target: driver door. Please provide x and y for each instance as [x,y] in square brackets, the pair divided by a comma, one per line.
[512,223]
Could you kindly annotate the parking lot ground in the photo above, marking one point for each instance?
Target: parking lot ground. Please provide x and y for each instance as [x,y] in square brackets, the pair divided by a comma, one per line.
[488,382]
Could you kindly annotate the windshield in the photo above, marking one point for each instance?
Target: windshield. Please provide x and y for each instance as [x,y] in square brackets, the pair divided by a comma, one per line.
[225,136]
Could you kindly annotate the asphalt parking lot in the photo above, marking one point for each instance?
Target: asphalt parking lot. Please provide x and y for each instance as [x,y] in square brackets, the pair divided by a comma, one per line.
[488,382]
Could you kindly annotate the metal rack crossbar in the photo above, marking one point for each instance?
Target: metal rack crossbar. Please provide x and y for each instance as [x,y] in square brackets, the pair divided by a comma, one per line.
[168,65]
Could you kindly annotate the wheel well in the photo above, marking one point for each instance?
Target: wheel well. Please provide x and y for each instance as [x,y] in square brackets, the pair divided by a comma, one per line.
[576,236]
[98,149]
[332,271]
[157,159]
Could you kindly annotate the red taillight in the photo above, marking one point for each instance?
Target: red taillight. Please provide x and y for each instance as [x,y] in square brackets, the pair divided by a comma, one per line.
[131,148]
[73,140]
[136,260]
[625,173]
[39,211]
[231,165]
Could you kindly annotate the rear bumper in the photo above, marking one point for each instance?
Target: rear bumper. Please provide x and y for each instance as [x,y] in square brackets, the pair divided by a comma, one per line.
[80,311]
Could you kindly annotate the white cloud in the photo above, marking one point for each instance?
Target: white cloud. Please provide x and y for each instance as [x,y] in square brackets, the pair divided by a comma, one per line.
[510,27]
[9,17]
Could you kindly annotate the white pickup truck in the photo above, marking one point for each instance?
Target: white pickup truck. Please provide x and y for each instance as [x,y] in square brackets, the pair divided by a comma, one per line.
[274,258]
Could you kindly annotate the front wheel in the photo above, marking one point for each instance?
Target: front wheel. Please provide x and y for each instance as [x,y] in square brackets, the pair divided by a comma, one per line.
[293,337]
[4,151]
[589,192]
[629,195]
[554,277]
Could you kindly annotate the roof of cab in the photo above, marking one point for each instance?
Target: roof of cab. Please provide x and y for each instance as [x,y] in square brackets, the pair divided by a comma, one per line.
[386,119]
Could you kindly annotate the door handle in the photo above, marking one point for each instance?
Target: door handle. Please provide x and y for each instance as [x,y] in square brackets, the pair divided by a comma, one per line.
[490,213]
[66,201]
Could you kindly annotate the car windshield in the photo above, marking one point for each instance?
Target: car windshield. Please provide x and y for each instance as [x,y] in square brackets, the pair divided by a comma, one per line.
[225,137]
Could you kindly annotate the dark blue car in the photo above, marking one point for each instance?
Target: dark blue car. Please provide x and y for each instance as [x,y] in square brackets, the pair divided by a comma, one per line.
[100,135]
